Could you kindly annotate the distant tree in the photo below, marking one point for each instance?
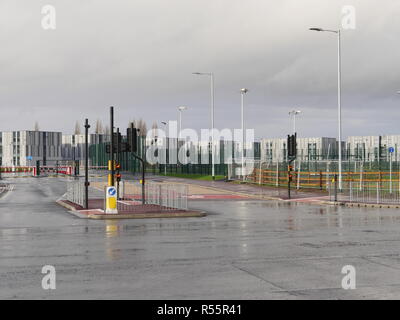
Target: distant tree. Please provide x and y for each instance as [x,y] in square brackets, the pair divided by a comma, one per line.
[132,122]
[154,127]
[141,125]
[99,127]
[36,127]
[77,128]
[107,131]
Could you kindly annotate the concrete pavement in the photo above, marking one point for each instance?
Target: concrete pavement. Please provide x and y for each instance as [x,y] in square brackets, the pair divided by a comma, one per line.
[244,249]
[247,189]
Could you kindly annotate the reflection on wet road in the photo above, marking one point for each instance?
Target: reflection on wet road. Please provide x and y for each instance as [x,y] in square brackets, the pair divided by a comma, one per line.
[241,250]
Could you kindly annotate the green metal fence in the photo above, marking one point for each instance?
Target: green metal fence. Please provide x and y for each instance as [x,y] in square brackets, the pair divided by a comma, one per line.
[99,158]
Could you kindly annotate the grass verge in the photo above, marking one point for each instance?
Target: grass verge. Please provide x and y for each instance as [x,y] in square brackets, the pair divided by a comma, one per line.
[194,176]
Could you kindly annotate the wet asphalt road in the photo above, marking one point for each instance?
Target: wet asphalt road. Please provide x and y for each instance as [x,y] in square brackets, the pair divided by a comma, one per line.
[241,250]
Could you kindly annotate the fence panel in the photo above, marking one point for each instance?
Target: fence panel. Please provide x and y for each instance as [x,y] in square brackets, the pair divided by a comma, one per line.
[365,192]
[164,196]
[167,195]
[76,192]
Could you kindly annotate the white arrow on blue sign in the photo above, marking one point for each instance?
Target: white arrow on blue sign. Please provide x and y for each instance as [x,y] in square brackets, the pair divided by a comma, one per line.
[112,191]
[391,149]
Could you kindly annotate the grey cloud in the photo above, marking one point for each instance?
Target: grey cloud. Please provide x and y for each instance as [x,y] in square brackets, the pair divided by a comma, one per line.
[139,55]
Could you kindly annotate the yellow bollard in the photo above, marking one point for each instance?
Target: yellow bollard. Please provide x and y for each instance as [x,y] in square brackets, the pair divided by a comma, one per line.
[111,167]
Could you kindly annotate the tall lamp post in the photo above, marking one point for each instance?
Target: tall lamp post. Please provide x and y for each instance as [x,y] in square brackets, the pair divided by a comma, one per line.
[165,124]
[211,75]
[180,109]
[294,113]
[242,93]
[337,32]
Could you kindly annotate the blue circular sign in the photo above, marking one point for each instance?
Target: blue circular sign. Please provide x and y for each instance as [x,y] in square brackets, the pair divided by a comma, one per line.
[391,149]
[112,191]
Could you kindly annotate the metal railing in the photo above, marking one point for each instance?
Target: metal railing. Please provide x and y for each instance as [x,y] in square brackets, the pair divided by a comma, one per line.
[12,172]
[366,192]
[318,176]
[158,197]
[167,195]
[76,192]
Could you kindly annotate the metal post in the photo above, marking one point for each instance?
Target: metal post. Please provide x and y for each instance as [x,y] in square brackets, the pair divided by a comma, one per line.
[288,183]
[340,108]
[377,192]
[243,134]
[298,175]
[294,123]
[180,123]
[212,126]
[335,187]
[277,173]
[143,183]
[351,192]
[339,67]
[166,152]
[87,126]
[390,155]
[118,161]
[111,166]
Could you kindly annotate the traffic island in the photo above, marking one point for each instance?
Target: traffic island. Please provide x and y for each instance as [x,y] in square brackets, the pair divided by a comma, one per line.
[130,210]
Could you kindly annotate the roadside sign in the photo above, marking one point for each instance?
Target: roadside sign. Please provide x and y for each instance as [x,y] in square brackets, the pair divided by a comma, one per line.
[29,158]
[111,191]
[391,150]
[111,200]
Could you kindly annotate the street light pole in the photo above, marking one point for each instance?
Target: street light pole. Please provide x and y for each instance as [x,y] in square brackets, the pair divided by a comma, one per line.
[180,109]
[87,126]
[340,107]
[294,113]
[242,93]
[166,147]
[337,32]
[211,75]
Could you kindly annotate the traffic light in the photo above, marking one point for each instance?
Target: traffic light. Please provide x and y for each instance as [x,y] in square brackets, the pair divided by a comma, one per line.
[292,146]
[125,147]
[117,139]
[290,169]
[131,134]
[108,148]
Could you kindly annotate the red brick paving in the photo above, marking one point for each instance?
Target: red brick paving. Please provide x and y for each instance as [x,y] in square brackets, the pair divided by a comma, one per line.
[127,207]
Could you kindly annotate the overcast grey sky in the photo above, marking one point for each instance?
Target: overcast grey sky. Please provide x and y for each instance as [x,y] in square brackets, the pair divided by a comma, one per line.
[138,55]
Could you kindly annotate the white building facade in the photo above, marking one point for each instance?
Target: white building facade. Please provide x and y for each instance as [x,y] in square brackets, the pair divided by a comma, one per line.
[374,148]
[24,148]
[307,149]
[73,145]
